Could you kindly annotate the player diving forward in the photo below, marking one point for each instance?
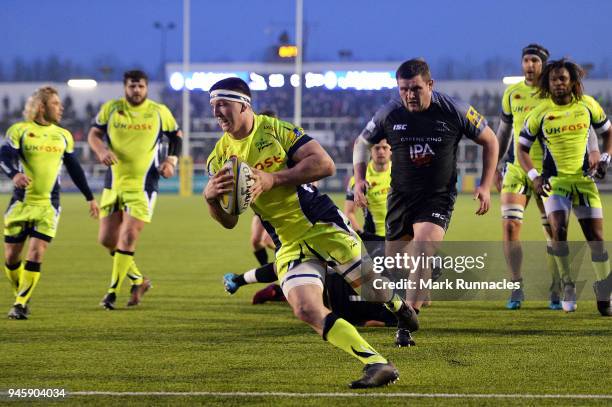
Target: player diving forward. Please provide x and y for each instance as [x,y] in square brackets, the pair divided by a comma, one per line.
[309,229]
[339,296]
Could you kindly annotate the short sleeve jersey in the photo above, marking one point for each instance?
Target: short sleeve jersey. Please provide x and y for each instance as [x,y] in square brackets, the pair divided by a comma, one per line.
[518,101]
[563,132]
[424,144]
[41,151]
[287,212]
[134,135]
[376,211]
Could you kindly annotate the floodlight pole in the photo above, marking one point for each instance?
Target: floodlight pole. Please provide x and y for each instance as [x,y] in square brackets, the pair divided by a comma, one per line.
[186,107]
[186,163]
[299,41]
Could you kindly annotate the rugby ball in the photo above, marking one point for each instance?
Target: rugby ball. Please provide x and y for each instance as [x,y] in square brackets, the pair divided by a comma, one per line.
[239,199]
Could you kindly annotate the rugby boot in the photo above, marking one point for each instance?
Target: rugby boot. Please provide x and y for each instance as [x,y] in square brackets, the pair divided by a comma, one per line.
[273,292]
[569,298]
[229,284]
[603,295]
[18,312]
[375,375]
[407,322]
[108,302]
[137,291]
[516,298]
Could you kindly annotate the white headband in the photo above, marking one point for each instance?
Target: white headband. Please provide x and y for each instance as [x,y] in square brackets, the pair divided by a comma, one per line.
[230,95]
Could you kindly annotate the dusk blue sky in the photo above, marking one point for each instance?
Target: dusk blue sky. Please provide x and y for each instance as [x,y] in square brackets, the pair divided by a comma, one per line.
[92,32]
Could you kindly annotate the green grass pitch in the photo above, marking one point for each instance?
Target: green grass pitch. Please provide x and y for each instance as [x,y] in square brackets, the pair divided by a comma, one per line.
[190,336]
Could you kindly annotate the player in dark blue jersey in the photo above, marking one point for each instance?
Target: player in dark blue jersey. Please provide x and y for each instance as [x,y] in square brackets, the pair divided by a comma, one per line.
[424,128]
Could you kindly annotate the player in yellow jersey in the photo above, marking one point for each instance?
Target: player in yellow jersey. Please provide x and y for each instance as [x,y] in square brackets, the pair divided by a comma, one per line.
[560,125]
[260,239]
[378,177]
[516,188]
[126,136]
[32,156]
[308,229]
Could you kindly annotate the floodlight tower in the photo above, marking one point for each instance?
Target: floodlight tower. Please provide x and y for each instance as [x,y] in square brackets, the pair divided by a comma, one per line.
[299,42]
[163,28]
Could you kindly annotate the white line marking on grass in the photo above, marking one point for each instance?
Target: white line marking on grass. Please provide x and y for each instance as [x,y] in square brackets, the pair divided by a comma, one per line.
[340,395]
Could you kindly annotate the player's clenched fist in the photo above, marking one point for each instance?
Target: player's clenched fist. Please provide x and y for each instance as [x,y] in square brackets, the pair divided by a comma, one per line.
[20,180]
[221,183]
[360,190]
[107,158]
[263,182]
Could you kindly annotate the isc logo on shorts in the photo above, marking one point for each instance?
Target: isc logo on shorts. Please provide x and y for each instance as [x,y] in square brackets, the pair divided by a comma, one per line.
[438,216]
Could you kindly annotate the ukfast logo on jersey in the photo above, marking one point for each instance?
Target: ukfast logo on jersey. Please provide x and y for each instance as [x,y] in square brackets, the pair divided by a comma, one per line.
[43,149]
[566,128]
[522,109]
[421,154]
[135,126]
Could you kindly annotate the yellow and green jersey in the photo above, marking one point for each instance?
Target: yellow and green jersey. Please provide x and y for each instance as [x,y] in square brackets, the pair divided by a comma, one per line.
[376,211]
[518,101]
[41,151]
[134,135]
[287,212]
[563,132]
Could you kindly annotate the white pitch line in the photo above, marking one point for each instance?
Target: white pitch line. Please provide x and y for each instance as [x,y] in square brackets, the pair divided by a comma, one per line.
[340,395]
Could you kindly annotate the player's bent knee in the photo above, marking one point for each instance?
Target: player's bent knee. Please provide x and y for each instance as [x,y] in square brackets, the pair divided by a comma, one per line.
[512,228]
[559,233]
[110,242]
[129,237]
[309,313]
[12,256]
[256,244]
[36,252]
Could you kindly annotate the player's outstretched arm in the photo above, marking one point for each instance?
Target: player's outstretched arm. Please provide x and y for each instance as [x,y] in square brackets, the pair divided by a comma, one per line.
[490,151]
[219,184]
[504,135]
[350,210]
[175,147]
[594,154]
[78,177]
[95,138]
[312,164]
[361,155]
[604,161]
[525,141]
[9,156]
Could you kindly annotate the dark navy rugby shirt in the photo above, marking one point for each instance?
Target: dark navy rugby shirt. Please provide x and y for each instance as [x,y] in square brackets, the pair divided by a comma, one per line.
[424,144]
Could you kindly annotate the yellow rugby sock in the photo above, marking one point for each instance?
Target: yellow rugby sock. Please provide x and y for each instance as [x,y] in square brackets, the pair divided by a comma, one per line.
[343,335]
[28,279]
[122,260]
[551,266]
[395,304]
[134,274]
[601,265]
[12,272]
[563,266]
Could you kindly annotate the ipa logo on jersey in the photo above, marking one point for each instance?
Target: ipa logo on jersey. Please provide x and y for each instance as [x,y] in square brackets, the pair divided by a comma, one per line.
[421,154]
